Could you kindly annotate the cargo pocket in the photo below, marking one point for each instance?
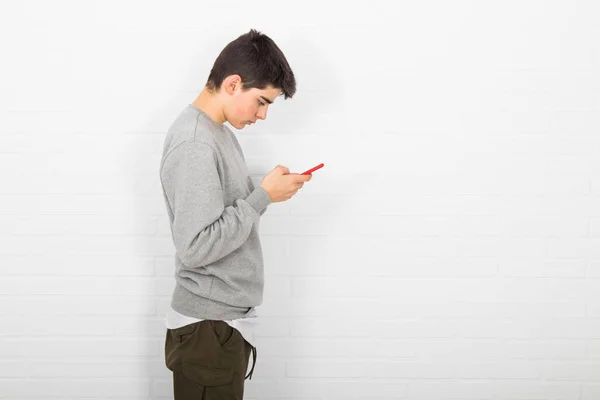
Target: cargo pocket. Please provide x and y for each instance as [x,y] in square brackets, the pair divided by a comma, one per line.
[223,333]
[176,342]
[184,332]
[207,376]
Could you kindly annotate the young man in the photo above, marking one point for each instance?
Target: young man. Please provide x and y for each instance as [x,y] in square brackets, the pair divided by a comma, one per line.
[214,211]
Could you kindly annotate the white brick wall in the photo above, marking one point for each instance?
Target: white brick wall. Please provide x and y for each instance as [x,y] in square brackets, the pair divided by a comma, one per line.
[450,248]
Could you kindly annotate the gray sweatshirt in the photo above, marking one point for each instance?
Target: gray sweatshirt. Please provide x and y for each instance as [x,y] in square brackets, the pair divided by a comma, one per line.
[214,212]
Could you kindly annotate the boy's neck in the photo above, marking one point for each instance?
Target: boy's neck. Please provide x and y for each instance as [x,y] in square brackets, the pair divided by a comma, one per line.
[209,103]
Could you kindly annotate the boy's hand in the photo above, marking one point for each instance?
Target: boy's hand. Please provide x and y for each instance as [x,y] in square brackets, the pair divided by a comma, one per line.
[281,185]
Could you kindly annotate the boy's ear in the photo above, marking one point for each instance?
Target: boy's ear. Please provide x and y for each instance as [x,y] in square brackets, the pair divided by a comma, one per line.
[232,83]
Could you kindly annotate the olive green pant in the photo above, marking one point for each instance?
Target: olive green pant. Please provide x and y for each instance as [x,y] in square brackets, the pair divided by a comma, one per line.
[209,360]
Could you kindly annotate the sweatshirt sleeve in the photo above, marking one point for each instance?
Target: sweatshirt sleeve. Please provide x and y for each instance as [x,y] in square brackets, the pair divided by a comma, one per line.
[204,230]
[252,188]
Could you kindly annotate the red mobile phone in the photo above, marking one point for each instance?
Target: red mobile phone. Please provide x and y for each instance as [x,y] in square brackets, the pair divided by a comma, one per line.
[310,171]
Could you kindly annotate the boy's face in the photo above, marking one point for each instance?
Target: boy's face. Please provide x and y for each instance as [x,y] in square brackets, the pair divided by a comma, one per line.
[246,107]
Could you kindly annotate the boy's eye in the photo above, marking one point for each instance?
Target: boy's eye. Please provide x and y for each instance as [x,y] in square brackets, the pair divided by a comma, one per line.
[261,103]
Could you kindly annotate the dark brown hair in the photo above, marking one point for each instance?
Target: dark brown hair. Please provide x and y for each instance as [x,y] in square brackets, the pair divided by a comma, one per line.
[257,60]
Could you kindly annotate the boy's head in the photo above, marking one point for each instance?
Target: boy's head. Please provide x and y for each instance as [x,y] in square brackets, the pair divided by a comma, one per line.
[248,75]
